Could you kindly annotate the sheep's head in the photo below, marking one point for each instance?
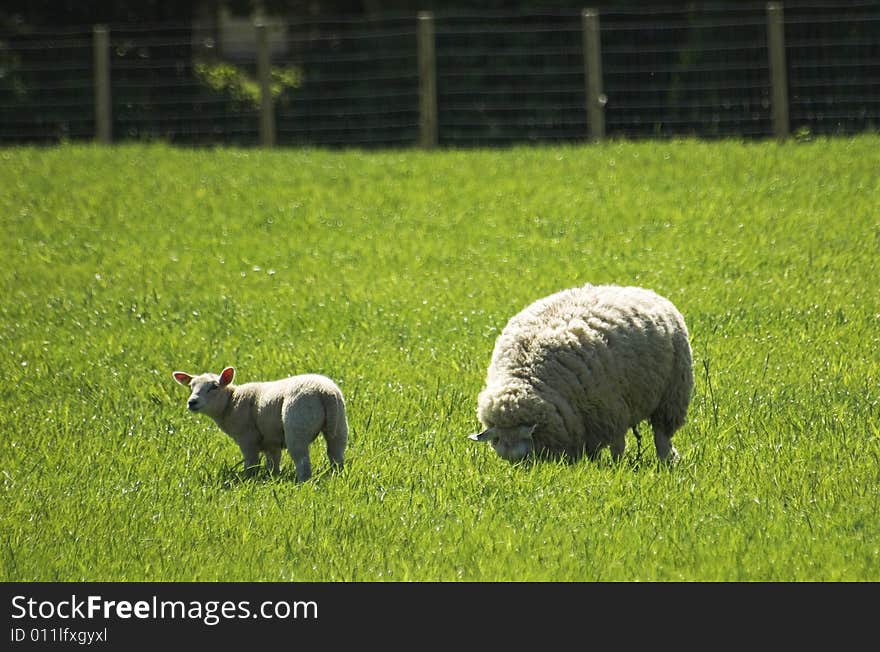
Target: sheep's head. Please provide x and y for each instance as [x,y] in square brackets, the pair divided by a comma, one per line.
[209,393]
[512,443]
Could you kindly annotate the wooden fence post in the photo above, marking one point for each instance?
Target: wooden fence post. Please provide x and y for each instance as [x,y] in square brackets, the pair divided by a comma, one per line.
[593,74]
[778,76]
[264,75]
[428,131]
[101,63]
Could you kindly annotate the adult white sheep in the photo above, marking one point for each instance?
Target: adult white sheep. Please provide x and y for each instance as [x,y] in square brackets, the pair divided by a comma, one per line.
[574,371]
[264,417]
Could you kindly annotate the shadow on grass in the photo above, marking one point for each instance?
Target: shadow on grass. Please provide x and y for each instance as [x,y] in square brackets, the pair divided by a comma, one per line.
[635,460]
[230,477]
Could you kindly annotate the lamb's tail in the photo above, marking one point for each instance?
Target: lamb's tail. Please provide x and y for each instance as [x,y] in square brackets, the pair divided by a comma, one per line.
[336,424]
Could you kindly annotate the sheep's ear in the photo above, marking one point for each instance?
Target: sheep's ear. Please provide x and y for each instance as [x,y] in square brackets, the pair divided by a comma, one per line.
[226,376]
[182,377]
[486,435]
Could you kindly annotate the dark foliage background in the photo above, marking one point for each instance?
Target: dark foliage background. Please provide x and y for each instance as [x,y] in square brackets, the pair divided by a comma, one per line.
[507,71]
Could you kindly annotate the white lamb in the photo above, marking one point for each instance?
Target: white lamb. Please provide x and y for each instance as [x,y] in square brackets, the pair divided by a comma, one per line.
[267,416]
[574,371]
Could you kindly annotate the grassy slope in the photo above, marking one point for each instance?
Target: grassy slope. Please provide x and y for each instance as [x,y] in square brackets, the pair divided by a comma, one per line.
[393,273]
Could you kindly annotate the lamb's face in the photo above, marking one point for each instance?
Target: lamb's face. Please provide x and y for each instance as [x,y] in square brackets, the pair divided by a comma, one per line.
[513,444]
[209,392]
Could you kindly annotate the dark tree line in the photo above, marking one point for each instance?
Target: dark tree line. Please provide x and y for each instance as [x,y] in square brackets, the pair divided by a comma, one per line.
[670,68]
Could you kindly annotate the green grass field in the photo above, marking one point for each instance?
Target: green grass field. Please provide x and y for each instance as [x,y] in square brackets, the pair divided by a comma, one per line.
[393,272]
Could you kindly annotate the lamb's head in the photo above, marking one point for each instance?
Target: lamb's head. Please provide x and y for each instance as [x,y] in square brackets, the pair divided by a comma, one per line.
[513,443]
[210,392]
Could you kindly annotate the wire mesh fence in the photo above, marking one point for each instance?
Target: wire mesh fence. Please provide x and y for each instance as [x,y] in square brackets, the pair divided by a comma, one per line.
[701,72]
[46,86]
[360,83]
[160,91]
[501,78]
[834,68]
[510,78]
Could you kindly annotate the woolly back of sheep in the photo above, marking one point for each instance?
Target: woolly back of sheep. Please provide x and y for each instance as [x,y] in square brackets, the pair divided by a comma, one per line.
[586,364]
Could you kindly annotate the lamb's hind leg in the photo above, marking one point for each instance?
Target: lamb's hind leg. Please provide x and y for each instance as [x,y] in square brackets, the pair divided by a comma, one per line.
[336,439]
[302,420]
[301,460]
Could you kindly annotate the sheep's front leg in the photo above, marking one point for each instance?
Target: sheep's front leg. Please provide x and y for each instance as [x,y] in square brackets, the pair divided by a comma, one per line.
[251,455]
[592,450]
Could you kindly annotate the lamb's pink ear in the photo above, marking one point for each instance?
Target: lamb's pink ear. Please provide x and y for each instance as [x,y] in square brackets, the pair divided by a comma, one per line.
[226,376]
[182,377]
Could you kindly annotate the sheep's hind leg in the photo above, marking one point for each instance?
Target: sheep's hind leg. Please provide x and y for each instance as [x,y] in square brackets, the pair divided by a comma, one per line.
[638,435]
[618,445]
[665,421]
[665,450]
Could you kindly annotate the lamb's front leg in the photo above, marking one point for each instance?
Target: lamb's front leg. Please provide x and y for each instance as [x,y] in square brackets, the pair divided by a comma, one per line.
[273,460]
[251,455]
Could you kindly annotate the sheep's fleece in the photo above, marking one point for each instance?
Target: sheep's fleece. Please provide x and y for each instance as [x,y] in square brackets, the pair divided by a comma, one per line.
[574,371]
